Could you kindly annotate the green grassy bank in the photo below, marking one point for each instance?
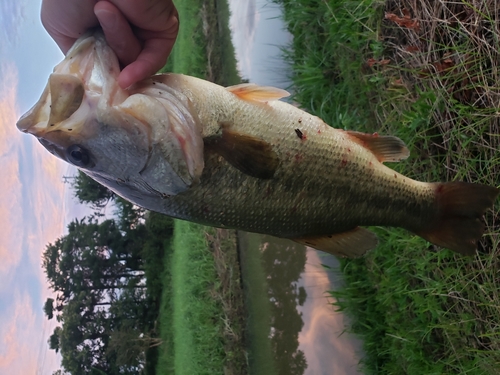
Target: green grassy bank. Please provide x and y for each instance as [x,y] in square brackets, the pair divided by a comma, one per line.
[201,314]
[426,72]
[201,317]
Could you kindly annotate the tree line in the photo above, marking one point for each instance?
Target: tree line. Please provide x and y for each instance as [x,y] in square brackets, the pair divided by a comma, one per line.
[106,276]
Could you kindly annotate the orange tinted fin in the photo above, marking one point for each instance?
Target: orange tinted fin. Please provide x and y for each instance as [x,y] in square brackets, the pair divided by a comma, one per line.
[250,155]
[352,244]
[459,209]
[66,95]
[384,147]
[254,93]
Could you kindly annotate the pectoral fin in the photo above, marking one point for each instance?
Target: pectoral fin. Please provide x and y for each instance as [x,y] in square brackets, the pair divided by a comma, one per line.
[249,154]
[255,93]
[351,244]
[384,147]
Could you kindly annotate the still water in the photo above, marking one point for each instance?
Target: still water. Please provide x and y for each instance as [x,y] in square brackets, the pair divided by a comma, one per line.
[292,328]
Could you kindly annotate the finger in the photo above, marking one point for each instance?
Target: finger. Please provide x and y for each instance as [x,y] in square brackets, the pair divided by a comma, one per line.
[150,60]
[153,15]
[118,32]
[66,21]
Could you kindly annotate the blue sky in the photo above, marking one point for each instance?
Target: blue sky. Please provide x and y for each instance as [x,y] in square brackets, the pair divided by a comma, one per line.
[34,201]
[35,204]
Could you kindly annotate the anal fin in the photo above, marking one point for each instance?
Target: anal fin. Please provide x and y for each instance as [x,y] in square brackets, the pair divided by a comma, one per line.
[252,156]
[384,147]
[351,244]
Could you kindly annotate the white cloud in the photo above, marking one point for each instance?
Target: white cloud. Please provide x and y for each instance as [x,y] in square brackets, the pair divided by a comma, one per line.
[11,15]
[243,22]
[10,199]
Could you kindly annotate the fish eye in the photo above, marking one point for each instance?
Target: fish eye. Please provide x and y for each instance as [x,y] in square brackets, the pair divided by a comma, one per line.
[78,156]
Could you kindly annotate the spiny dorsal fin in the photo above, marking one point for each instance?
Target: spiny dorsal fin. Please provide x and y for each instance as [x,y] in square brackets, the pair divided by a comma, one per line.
[384,147]
[351,244]
[255,93]
[250,155]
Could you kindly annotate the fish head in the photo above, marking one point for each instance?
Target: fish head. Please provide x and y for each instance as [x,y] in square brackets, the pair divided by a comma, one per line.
[132,142]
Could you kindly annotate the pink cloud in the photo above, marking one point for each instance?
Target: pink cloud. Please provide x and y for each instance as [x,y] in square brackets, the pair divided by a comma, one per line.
[48,203]
[10,199]
[20,338]
[24,330]
[323,326]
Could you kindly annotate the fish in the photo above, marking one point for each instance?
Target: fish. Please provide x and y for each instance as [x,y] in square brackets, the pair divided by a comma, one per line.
[240,157]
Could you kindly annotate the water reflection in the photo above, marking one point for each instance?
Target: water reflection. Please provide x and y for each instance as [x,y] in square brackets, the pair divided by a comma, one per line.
[282,267]
[292,329]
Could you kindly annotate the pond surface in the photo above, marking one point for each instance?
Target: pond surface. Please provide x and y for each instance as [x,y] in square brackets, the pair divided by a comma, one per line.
[292,328]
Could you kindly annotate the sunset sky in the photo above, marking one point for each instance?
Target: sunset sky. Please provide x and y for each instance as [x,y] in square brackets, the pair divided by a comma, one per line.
[35,204]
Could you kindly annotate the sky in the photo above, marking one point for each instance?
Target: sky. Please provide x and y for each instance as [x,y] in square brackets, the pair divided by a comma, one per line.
[259,55]
[35,204]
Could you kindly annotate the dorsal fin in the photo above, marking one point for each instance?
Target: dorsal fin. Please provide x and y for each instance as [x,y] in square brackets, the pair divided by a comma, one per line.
[255,93]
[351,244]
[384,147]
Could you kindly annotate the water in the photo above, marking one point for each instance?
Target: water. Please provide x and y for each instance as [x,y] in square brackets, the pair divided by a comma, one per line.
[259,35]
[292,328]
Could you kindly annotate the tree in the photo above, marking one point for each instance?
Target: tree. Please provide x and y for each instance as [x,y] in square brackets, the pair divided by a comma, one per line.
[95,258]
[89,191]
[102,293]
[48,308]
[54,341]
[96,271]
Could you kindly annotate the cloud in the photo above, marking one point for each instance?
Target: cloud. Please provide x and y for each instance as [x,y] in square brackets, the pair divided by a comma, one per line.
[18,332]
[11,15]
[31,215]
[323,326]
[243,22]
[10,199]
[9,112]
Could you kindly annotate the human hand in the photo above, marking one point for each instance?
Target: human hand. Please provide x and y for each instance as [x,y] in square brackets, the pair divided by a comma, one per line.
[141,32]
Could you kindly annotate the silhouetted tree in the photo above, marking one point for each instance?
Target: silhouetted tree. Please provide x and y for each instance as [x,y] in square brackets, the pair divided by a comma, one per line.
[88,191]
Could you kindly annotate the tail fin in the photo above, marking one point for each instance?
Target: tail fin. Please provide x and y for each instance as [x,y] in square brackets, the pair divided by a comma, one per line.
[459,225]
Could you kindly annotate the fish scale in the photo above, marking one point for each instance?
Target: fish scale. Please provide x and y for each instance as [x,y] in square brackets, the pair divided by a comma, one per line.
[238,157]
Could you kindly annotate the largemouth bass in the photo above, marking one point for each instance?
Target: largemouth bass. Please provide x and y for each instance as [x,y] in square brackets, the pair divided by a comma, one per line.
[238,157]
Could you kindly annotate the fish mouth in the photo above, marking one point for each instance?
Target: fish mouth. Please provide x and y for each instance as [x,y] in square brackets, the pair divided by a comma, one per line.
[62,97]
[87,74]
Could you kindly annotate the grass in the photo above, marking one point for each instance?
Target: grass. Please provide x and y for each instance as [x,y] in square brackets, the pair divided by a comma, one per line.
[202,305]
[204,48]
[259,316]
[201,313]
[426,72]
